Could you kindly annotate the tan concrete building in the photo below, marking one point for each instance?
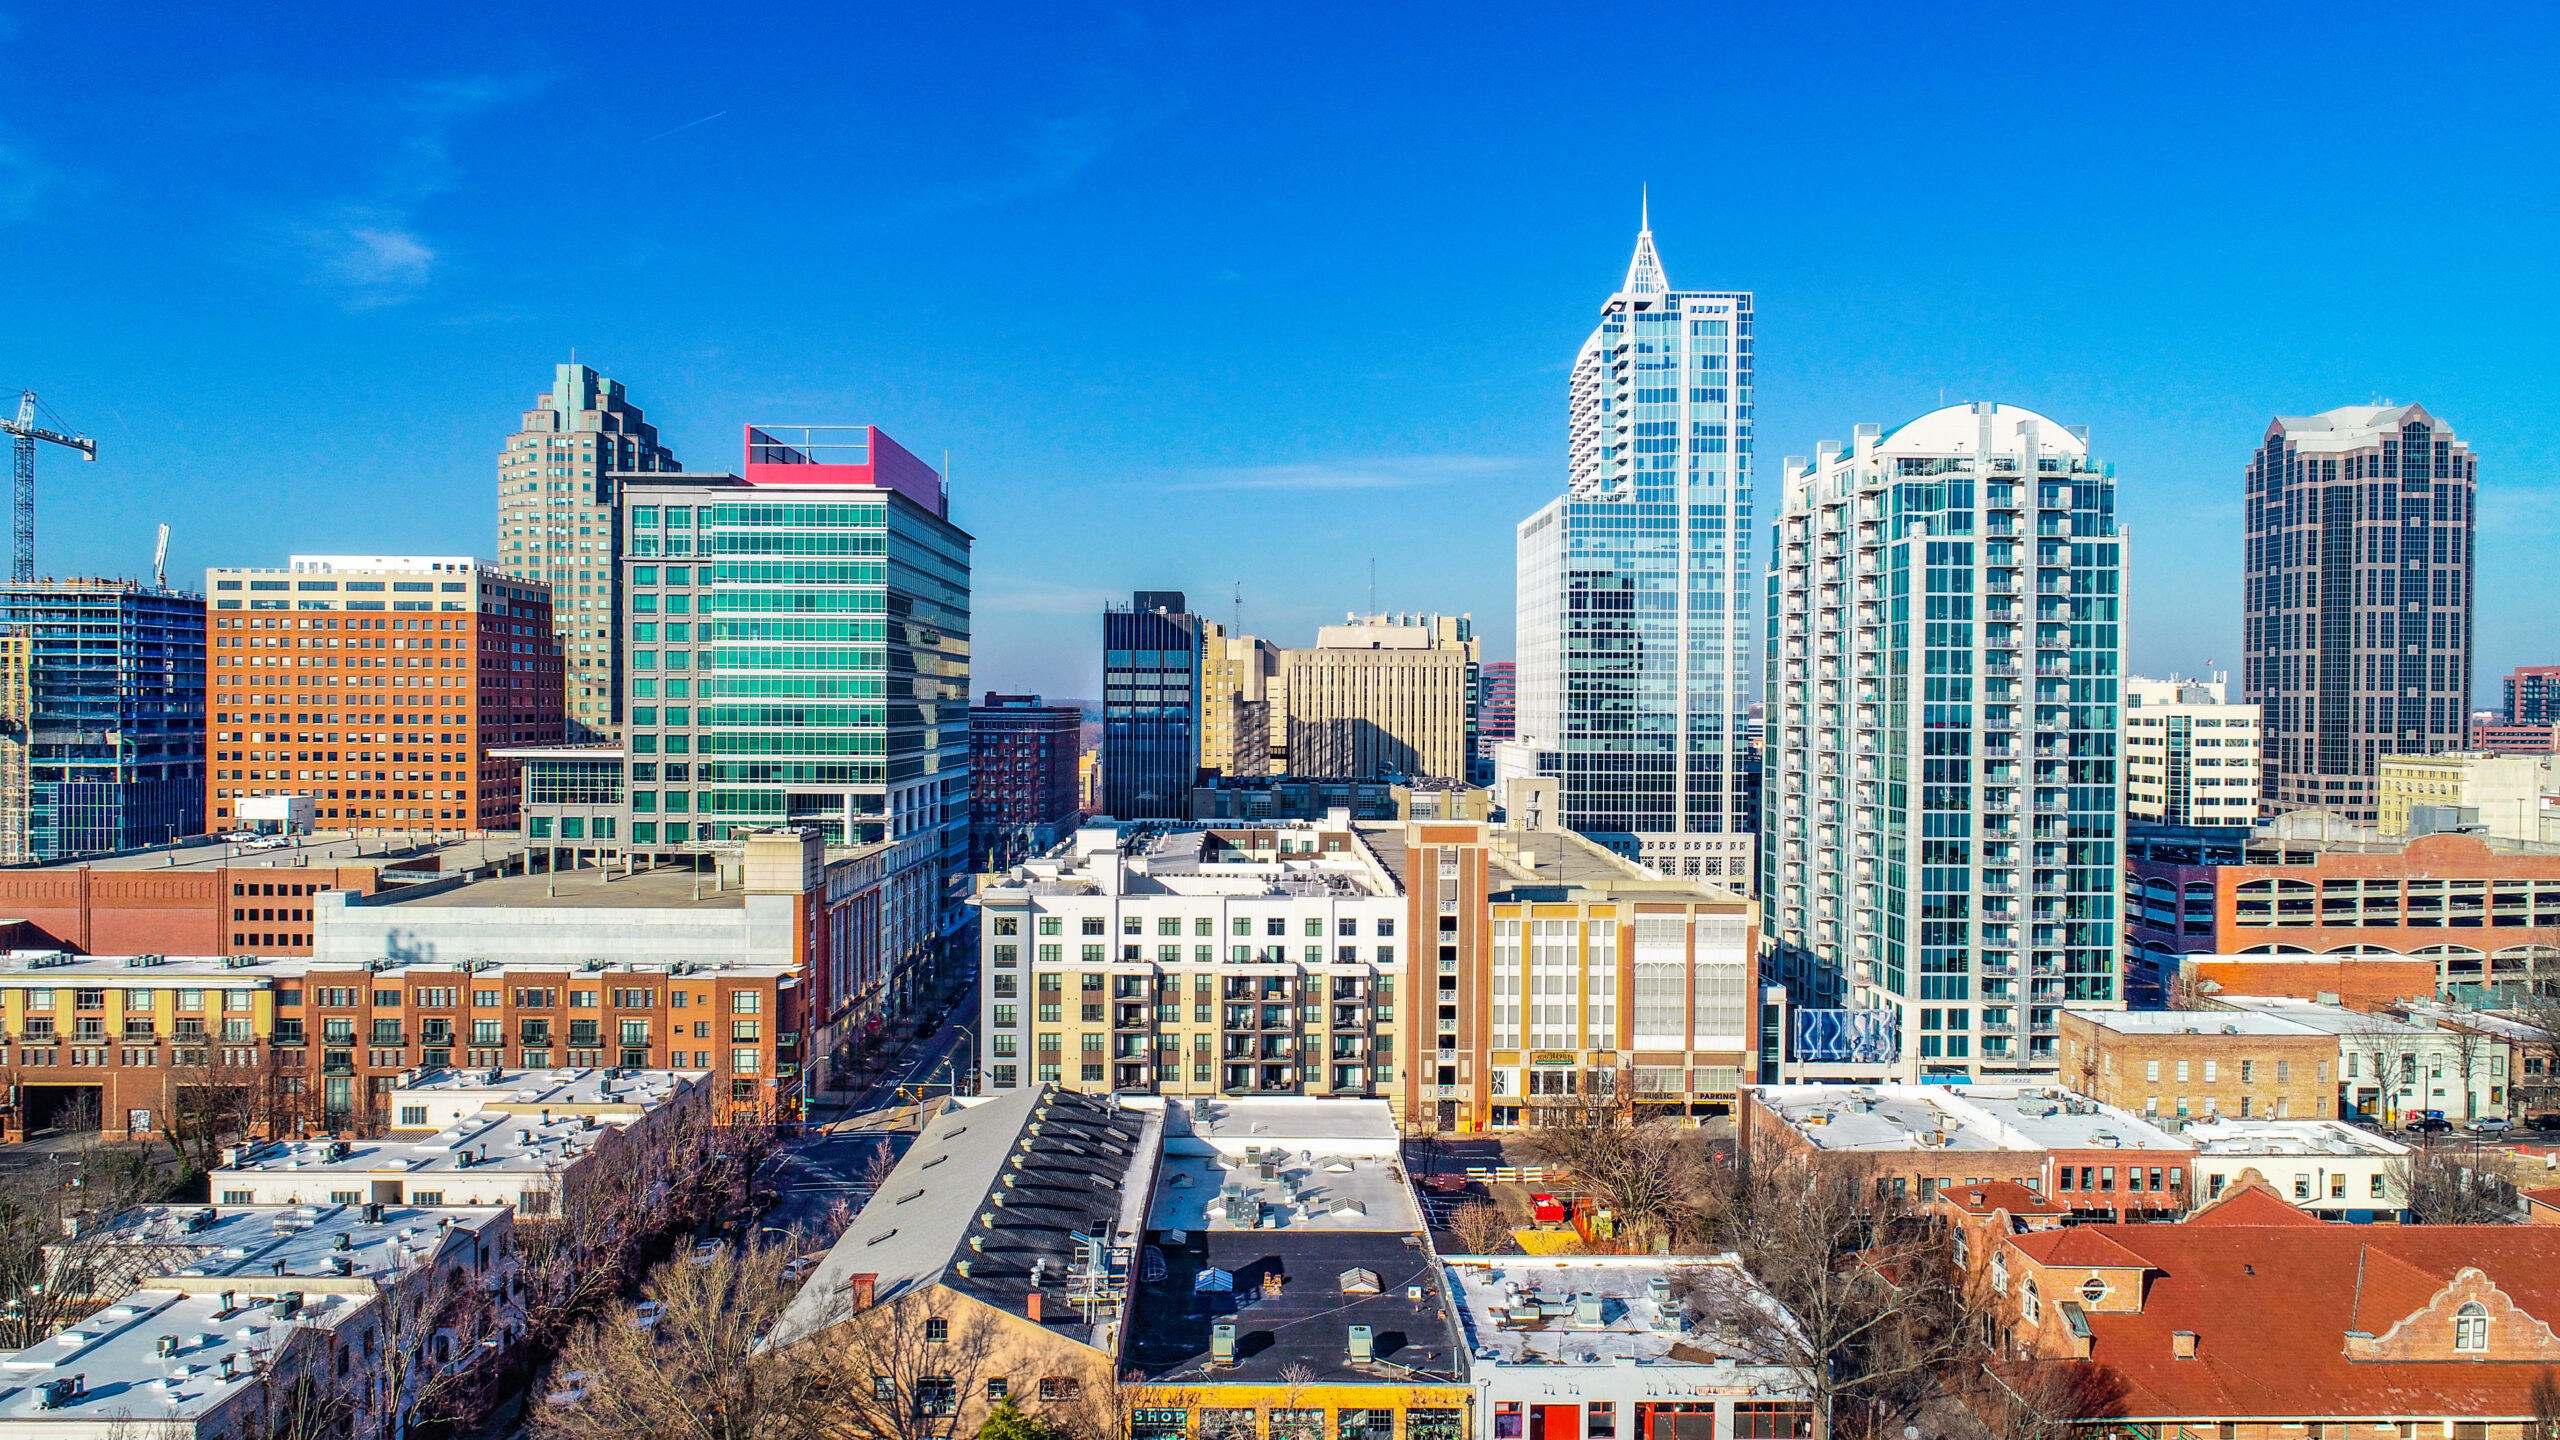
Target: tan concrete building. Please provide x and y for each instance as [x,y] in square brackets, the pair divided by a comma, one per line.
[2507,790]
[2201,1063]
[1546,970]
[558,503]
[1386,695]
[2189,757]
[1238,676]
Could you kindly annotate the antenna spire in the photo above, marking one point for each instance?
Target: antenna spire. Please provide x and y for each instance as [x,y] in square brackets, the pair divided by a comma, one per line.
[1644,272]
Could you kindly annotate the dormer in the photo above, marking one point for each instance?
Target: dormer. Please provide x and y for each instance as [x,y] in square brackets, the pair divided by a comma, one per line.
[2469,1319]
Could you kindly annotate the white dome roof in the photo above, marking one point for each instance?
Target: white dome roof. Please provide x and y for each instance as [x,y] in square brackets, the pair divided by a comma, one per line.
[1957,429]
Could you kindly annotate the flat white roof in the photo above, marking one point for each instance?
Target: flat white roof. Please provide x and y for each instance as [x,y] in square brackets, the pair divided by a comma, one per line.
[1595,1310]
[1894,1117]
[2234,1136]
[2333,1019]
[2193,1022]
[1229,1125]
[583,1087]
[483,1141]
[115,1353]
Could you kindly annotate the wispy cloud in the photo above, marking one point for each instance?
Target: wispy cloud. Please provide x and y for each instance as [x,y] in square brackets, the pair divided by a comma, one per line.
[1387,473]
[368,242]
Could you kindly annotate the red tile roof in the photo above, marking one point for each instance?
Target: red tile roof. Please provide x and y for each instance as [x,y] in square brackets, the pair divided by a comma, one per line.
[2271,1307]
[2253,1205]
[2077,1245]
[1993,1195]
[2543,1195]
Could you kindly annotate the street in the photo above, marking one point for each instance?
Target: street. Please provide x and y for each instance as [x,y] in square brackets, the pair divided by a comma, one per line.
[826,1164]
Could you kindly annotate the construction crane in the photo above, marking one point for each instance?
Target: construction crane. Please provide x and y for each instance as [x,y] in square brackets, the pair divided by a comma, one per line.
[160,562]
[23,478]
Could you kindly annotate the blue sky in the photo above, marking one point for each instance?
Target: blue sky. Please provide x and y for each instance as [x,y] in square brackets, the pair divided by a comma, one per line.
[1199,296]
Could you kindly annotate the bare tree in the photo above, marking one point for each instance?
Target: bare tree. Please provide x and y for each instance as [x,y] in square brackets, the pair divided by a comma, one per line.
[2379,1047]
[1481,1228]
[2545,1424]
[2471,1049]
[2043,1398]
[2439,1188]
[2539,1012]
[695,1371]
[1870,1304]
[1658,1178]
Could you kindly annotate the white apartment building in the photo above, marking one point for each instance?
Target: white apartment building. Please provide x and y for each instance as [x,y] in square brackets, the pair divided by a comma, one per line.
[2394,1070]
[2190,758]
[2327,1167]
[1196,960]
[1942,812]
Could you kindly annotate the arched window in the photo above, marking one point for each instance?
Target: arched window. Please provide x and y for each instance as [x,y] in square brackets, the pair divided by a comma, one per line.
[2471,1327]
[2000,1271]
[2029,1304]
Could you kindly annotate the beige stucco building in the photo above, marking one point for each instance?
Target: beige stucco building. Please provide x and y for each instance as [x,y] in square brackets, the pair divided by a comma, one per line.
[1384,695]
[2507,790]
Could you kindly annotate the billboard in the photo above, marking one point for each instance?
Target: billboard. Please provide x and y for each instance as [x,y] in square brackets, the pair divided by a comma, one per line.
[1864,1036]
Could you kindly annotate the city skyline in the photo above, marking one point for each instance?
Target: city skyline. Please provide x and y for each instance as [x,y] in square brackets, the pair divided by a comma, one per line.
[386,242]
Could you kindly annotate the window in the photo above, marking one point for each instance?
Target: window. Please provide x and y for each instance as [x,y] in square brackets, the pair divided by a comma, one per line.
[998,1387]
[937,1331]
[2029,1303]
[2093,1290]
[2471,1327]
[2377,1185]
[1602,1421]
[1061,1387]
[413,1117]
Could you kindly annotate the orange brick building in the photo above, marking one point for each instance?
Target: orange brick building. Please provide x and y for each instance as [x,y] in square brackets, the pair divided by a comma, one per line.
[2478,912]
[377,686]
[326,1044]
[2255,1321]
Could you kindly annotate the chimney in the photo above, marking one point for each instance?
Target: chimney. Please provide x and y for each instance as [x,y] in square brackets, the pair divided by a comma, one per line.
[2182,1344]
[862,1284]
[1031,1306]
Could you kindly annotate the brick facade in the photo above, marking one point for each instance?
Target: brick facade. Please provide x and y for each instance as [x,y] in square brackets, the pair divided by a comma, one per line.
[2201,1070]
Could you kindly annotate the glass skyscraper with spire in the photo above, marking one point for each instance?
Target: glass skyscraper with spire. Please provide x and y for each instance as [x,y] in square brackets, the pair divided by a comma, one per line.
[1635,584]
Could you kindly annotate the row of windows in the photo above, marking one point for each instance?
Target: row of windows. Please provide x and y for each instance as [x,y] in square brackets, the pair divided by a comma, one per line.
[1275,925]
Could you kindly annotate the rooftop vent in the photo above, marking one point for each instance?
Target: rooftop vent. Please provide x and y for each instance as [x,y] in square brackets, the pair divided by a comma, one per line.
[1363,1349]
[1222,1344]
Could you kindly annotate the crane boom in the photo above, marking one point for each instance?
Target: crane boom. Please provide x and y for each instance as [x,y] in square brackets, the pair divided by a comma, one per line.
[160,561]
[26,432]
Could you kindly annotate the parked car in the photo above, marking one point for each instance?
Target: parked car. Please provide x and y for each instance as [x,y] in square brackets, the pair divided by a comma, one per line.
[706,1251]
[645,1315]
[2542,1122]
[2488,1125]
[799,1269]
[2428,1125]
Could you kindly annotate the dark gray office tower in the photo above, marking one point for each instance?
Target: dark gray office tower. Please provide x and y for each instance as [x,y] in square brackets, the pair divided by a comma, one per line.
[2357,604]
[1150,707]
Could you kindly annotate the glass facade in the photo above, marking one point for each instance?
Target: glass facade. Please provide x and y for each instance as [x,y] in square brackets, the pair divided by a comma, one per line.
[1944,808]
[1150,707]
[799,661]
[2356,611]
[112,749]
[1635,586]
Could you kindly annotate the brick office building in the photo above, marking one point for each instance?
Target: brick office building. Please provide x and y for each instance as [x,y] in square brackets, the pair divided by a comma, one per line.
[334,1040]
[2200,1062]
[1022,776]
[2483,912]
[2096,1161]
[206,899]
[377,686]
